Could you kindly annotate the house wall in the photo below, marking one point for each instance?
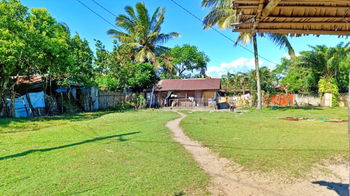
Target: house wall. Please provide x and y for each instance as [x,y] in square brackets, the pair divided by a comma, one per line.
[188,98]
[209,94]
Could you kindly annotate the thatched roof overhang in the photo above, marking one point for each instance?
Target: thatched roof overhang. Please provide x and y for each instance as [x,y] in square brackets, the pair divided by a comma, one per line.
[293,17]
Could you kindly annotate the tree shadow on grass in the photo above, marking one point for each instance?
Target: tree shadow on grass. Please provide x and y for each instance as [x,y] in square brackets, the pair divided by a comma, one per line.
[339,188]
[21,154]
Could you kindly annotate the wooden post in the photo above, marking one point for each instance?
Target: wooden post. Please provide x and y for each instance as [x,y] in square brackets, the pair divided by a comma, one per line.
[349,127]
[25,107]
[151,99]
[62,102]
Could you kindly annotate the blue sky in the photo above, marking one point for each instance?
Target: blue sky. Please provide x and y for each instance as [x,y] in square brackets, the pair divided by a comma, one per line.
[223,54]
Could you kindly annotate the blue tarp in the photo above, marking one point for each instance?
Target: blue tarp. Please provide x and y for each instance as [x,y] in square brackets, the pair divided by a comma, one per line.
[22,108]
[85,90]
[37,99]
[61,90]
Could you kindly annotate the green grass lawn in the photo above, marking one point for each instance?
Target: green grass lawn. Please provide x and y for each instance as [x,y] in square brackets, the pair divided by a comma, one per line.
[261,141]
[104,153]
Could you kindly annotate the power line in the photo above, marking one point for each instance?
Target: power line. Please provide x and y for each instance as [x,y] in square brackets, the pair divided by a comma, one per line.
[97,14]
[183,8]
[101,6]
[219,32]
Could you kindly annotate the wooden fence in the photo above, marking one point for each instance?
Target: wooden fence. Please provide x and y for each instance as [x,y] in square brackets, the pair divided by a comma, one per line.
[108,99]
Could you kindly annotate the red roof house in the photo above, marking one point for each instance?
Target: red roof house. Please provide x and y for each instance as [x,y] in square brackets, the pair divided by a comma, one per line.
[188,92]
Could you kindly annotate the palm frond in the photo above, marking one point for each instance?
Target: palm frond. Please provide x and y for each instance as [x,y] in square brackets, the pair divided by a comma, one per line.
[159,21]
[153,20]
[143,18]
[218,16]
[212,3]
[116,32]
[244,38]
[163,38]
[130,10]
[125,22]
[283,42]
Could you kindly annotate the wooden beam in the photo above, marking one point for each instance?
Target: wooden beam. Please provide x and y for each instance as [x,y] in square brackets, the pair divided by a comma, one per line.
[297,23]
[305,18]
[253,7]
[258,14]
[295,1]
[296,31]
[313,18]
[269,7]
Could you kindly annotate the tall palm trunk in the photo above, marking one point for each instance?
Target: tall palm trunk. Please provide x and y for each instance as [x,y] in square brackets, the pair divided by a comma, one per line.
[256,56]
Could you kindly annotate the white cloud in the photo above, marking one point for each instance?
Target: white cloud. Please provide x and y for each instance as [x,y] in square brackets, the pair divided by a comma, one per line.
[239,65]
[286,55]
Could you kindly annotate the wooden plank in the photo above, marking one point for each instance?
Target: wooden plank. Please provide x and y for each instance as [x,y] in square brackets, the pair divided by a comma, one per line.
[296,31]
[269,7]
[252,7]
[298,23]
[295,1]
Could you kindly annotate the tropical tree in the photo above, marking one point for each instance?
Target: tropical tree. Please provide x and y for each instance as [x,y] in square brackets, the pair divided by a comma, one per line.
[142,32]
[295,79]
[33,42]
[223,15]
[243,81]
[81,69]
[182,61]
[113,72]
[325,61]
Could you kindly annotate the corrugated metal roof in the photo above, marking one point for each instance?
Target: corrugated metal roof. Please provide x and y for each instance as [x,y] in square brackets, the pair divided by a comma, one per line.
[189,84]
[29,80]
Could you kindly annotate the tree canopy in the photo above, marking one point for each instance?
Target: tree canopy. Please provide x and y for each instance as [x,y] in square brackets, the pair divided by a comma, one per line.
[184,62]
[142,32]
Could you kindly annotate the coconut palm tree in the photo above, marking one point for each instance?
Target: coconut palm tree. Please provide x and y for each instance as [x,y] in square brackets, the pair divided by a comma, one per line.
[223,15]
[142,32]
[325,61]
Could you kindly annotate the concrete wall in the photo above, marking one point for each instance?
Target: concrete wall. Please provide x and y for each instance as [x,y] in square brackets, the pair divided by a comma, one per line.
[343,100]
[307,100]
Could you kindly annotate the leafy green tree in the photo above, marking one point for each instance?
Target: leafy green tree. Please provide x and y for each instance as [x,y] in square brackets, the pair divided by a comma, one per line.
[142,32]
[184,60]
[32,42]
[269,80]
[115,73]
[107,67]
[343,74]
[81,69]
[295,79]
[223,15]
[328,62]
[140,76]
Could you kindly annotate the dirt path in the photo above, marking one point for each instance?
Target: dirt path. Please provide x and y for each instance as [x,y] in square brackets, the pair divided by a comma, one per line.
[228,178]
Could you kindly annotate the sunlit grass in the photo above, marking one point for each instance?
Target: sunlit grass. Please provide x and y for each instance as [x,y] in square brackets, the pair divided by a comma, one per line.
[262,142]
[129,153]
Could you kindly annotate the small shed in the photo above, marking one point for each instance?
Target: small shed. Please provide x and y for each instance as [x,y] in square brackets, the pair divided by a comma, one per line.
[187,92]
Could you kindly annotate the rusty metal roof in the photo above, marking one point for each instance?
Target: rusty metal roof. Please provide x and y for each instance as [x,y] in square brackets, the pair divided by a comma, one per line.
[293,17]
[189,84]
[29,80]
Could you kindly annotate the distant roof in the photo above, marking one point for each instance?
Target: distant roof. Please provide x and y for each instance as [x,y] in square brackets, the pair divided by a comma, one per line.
[29,80]
[189,84]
